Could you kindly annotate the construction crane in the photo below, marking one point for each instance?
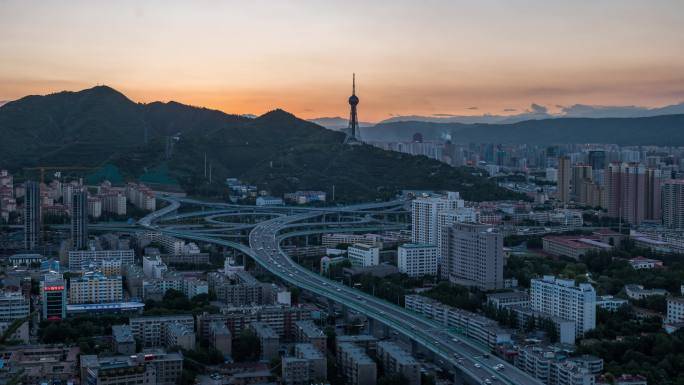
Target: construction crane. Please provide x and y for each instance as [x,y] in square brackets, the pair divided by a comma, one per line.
[58,168]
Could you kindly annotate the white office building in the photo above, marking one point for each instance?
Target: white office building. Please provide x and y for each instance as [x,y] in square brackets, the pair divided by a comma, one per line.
[417,260]
[557,297]
[363,255]
[424,220]
[675,311]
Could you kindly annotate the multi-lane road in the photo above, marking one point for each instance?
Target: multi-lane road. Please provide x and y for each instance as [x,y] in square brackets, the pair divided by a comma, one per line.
[471,361]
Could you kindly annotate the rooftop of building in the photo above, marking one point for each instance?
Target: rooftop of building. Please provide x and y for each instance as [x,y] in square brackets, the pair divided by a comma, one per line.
[356,338]
[264,330]
[309,328]
[397,352]
[363,246]
[180,329]
[169,318]
[508,294]
[418,246]
[122,333]
[577,242]
[308,351]
[219,328]
[357,352]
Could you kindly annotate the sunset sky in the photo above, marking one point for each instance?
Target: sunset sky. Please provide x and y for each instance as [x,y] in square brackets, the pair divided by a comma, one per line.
[410,57]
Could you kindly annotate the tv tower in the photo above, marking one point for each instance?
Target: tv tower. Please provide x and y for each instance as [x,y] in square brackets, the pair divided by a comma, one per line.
[353,119]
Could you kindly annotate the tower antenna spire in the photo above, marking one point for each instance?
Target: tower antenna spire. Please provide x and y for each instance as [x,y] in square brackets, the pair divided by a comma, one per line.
[353,84]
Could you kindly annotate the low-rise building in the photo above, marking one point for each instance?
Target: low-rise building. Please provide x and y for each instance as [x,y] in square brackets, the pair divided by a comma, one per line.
[280,318]
[155,367]
[356,366]
[180,335]
[507,299]
[638,292]
[573,246]
[152,331]
[269,201]
[42,363]
[95,287]
[394,359]
[623,379]
[295,371]
[417,260]
[482,329]
[306,331]
[124,342]
[363,255]
[221,338]
[318,364]
[81,260]
[555,367]
[675,314]
[643,263]
[269,340]
[610,303]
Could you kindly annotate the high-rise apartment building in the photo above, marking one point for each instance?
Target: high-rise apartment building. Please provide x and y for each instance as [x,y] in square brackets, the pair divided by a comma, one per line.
[564,176]
[581,174]
[79,220]
[673,204]
[653,209]
[633,192]
[475,254]
[427,225]
[424,213]
[597,159]
[557,297]
[32,219]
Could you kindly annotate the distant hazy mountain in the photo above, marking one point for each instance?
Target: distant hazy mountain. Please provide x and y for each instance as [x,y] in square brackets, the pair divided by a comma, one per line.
[655,130]
[585,111]
[336,123]
[540,112]
[100,127]
[3,102]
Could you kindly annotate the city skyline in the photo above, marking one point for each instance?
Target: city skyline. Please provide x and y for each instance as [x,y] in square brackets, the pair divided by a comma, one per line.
[437,60]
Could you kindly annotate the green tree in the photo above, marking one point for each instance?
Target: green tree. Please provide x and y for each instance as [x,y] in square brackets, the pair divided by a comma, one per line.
[247,347]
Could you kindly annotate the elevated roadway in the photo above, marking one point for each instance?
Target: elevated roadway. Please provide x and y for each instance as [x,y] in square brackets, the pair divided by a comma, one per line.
[472,361]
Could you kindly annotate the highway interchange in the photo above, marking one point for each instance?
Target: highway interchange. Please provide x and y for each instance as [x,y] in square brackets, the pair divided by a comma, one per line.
[471,361]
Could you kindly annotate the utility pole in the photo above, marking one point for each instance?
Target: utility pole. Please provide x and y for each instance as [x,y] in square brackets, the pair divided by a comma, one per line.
[205,165]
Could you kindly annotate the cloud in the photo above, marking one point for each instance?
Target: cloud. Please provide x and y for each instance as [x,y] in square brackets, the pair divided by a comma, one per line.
[538,109]
[472,108]
[447,115]
[510,110]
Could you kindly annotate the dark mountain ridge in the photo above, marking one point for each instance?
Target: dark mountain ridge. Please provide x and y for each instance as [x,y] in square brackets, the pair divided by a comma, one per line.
[279,152]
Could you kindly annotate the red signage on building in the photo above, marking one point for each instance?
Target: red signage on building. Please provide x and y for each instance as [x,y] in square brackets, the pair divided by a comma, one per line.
[53,288]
